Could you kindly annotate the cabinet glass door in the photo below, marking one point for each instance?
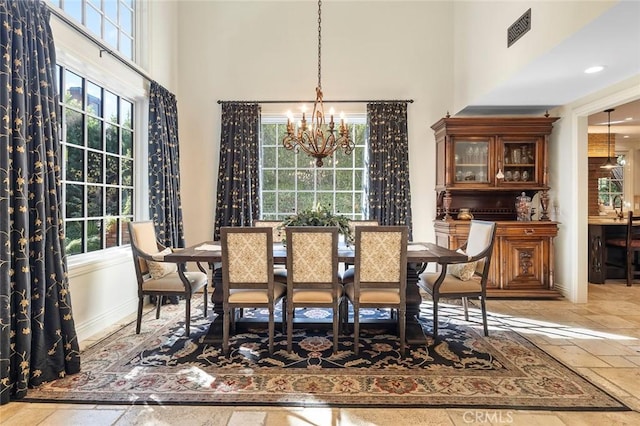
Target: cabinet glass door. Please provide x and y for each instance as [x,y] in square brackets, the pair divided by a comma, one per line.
[471,161]
[519,162]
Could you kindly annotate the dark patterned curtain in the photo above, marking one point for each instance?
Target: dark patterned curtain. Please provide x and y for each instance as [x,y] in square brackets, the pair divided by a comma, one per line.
[38,340]
[389,190]
[165,208]
[237,202]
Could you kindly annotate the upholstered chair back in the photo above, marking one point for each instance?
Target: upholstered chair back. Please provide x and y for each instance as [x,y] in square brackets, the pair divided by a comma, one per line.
[143,238]
[247,256]
[378,251]
[479,239]
[314,259]
[274,225]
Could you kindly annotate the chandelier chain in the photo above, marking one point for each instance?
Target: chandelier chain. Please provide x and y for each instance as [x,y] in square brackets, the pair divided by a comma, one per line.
[320,138]
[319,42]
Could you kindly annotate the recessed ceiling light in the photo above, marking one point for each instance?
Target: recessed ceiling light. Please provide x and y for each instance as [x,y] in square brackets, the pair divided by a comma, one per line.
[626,136]
[592,70]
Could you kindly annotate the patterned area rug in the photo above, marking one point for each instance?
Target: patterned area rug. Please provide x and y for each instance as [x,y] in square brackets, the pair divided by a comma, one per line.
[463,369]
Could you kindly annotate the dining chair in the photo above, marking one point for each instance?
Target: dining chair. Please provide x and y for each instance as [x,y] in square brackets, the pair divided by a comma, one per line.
[380,275]
[353,224]
[313,279]
[159,278]
[247,276]
[467,278]
[278,233]
[629,246]
[279,269]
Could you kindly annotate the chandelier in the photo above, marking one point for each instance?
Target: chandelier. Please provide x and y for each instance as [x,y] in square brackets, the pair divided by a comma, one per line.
[318,139]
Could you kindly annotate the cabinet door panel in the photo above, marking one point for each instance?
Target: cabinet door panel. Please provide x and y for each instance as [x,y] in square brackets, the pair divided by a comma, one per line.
[525,263]
[520,160]
[472,162]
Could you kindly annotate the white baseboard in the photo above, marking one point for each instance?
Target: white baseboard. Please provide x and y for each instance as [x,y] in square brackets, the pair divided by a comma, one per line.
[99,324]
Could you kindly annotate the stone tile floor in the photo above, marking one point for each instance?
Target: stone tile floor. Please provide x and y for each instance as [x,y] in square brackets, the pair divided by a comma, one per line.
[600,339]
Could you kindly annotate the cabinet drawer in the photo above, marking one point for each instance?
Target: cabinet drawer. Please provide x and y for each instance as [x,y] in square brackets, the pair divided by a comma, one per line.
[528,231]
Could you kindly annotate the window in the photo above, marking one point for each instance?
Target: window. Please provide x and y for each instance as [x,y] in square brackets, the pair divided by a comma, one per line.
[110,20]
[291,182]
[97,142]
[611,188]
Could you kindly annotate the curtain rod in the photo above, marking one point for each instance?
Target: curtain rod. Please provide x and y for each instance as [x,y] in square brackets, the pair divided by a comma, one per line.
[342,101]
[103,47]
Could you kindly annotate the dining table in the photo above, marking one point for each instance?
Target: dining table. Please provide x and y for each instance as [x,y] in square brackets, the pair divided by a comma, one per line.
[419,254]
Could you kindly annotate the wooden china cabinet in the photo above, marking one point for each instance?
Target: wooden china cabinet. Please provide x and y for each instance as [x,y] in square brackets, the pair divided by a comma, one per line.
[483,164]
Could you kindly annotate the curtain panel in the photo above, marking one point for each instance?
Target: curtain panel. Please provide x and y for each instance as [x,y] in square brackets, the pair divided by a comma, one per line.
[389,189]
[237,202]
[165,207]
[38,340]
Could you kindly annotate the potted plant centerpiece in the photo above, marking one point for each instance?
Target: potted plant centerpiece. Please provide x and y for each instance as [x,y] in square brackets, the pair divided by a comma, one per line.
[320,215]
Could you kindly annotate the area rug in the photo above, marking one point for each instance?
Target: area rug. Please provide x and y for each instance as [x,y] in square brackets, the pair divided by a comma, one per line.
[463,369]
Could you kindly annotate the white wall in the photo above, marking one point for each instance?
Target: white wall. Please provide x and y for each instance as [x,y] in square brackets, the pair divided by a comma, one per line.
[266,50]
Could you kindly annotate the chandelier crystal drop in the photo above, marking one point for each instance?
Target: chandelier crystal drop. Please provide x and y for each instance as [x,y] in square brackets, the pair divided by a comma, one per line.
[317,139]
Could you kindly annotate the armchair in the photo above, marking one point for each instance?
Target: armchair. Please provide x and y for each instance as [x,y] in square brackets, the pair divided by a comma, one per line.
[464,280]
[159,278]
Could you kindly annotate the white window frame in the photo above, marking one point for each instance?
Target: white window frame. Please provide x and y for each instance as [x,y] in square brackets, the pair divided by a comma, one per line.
[78,52]
[622,159]
[99,7]
[103,153]
[305,163]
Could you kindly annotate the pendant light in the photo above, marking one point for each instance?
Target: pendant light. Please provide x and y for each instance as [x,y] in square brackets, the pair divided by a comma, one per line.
[609,164]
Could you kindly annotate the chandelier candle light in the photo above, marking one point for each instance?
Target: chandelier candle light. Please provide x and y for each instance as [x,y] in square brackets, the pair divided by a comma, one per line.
[317,139]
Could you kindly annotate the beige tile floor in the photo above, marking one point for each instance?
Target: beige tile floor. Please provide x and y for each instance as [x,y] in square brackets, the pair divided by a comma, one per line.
[600,339]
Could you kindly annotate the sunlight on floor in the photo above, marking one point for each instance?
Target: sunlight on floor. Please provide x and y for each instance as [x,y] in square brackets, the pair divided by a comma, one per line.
[522,325]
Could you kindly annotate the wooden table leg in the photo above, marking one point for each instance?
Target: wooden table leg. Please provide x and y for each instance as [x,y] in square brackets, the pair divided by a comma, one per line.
[415,334]
[214,334]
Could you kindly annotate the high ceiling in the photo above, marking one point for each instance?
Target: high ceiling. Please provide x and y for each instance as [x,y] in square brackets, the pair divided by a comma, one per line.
[557,77]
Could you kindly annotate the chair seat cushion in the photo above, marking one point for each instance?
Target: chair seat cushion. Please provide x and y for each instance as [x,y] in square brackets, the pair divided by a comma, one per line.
[451,284]
[314,296]
[622,242]
[256,295]
[160,269]
[374,295]
[173,283]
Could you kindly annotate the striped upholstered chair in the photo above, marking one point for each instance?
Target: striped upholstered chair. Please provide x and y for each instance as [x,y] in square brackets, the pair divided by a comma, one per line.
[380,275]
[247,276]
[313,279]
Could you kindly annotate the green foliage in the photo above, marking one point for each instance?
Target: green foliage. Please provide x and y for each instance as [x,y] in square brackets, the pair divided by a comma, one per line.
[319,216]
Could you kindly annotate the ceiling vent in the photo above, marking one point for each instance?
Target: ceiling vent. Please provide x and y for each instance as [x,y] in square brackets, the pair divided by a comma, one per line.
[519,28]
